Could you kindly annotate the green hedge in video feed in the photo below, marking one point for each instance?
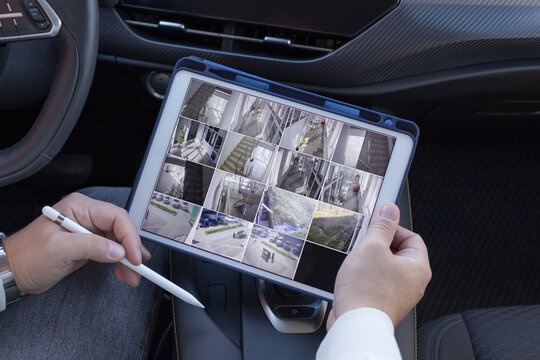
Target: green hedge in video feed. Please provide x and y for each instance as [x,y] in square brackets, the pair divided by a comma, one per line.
[164,208]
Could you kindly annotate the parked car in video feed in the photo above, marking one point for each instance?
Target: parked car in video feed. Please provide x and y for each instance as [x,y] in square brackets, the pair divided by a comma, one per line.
[185,206]
[240,234]
[176,203]
[297,249]
[287,246]
[210,217]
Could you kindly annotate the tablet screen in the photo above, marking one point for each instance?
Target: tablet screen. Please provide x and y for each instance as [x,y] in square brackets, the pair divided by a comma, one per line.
[266,184]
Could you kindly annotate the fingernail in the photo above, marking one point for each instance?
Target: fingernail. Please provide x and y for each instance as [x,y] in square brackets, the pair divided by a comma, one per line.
[389,212]
[115,251]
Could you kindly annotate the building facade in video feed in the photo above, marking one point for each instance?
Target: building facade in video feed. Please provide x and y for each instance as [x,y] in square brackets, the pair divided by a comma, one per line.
[364,150]
[312,134]
[197,142]
[184,180]
[351,189]
[257,118]
[234,195]
[298,173]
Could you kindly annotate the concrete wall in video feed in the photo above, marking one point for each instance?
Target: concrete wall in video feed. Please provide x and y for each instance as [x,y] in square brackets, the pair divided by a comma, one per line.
[271,186]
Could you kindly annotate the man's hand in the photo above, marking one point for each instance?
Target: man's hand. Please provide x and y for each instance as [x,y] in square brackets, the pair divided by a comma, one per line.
[43,253]
[387,270]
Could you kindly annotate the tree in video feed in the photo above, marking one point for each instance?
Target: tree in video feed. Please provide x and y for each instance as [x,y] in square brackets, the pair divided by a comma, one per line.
[286,212]
[333,227]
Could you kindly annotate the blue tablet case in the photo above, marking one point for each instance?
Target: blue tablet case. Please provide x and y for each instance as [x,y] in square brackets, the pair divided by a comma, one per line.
[233,76]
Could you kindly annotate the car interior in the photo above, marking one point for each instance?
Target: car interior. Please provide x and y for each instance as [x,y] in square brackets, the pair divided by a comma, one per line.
[82,82]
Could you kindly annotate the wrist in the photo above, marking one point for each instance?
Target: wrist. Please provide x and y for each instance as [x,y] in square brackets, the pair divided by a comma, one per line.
[10,291]
[349,306]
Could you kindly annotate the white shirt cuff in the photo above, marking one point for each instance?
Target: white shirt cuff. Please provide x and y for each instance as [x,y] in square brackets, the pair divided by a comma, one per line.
[360,334]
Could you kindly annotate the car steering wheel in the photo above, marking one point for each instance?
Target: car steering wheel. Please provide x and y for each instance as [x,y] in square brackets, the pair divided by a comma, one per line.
[76,28]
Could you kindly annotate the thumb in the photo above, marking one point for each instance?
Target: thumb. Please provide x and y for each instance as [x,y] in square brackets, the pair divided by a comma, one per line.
[384,225]
[92,247]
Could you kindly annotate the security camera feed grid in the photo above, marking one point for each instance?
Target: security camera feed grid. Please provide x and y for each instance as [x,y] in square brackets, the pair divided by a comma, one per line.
[258,181]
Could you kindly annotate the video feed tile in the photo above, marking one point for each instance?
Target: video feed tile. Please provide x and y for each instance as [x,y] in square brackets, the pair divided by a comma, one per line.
[351,189]
[184,180]
[205,103]
[333,227]
[318,266]
[311,134]
[245,156]
[364,150]
[286,212]
[197,142]
[363,224]
[170,217]
[257,118]
[234,195]
[221,234]
[298,173]
[271,251]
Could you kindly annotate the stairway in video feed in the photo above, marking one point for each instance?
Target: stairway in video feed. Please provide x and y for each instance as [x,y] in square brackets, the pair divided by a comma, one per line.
[242,152]
[198,101]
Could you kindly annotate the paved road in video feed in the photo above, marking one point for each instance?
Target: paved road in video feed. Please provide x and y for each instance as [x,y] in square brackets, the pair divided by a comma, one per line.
[221,242]
[175,227]
[282,265]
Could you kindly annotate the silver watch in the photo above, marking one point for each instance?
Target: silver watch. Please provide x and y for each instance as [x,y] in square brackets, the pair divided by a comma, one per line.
[6,275]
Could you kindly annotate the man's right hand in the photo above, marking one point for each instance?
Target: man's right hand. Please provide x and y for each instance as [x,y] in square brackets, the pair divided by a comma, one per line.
[387,270]
[43,253]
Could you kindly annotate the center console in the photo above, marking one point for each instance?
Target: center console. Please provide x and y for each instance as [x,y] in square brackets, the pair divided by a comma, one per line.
[247,319]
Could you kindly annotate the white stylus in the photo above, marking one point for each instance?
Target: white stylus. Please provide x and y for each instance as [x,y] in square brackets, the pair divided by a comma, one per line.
[151,275]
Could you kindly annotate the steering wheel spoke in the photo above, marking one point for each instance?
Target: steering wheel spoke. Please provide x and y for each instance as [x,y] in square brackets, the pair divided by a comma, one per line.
[27,20]
[75,23]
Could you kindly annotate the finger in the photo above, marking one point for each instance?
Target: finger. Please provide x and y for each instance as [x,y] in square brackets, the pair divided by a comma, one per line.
[408,243]
[146,255]
[133,279]
[99,216]
[90,247]
[384,225]
[331,320]
[118,272]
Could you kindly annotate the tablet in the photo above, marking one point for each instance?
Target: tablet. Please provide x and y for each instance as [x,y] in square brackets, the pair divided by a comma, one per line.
[264,178]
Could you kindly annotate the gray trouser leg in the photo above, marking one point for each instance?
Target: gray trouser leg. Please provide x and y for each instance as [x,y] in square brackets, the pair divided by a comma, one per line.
[88,315]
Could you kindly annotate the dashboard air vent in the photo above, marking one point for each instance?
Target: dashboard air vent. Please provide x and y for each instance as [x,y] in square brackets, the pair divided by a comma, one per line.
[235,37]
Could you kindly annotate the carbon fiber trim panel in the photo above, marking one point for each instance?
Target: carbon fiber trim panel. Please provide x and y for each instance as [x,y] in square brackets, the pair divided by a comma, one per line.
[418,37]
